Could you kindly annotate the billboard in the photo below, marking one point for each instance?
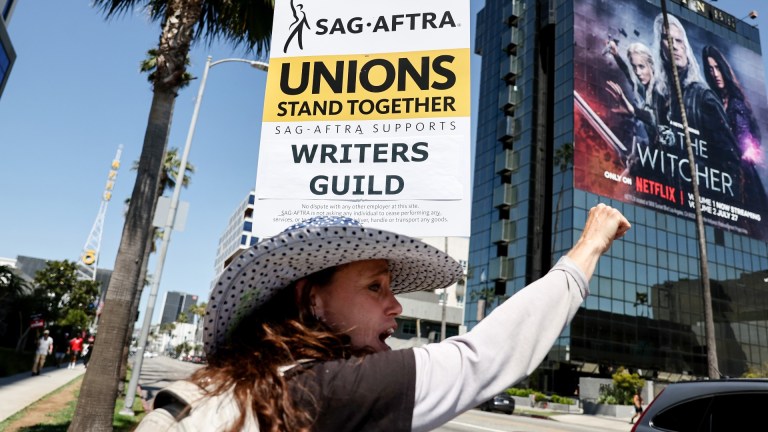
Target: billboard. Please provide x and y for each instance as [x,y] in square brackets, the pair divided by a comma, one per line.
[367,115]
[629,140]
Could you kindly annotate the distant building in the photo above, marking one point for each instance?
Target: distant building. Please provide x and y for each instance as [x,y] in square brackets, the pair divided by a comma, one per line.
[175,303]
[238,236]
[551,143]
[27,267]
[7,53]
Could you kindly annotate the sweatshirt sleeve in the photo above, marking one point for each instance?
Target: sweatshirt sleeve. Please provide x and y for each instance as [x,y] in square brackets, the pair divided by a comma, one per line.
[463,371]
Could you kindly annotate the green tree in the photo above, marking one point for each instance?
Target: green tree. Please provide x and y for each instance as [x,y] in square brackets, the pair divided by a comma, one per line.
[11,284]
[68,300]
[182,318]
[241,22]
[16,306]
[757,372]
[167,328]
[182,349]
[622,389]
[198,311]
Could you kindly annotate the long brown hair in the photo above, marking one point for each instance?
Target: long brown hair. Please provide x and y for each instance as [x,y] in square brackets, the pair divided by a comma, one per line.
[280,333]
[732,85]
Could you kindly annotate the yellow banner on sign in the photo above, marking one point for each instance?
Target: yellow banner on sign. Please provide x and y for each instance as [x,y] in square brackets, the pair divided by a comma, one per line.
[369,86]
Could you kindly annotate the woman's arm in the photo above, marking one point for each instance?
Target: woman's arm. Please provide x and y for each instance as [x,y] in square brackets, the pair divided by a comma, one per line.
[509,344]
[463,371]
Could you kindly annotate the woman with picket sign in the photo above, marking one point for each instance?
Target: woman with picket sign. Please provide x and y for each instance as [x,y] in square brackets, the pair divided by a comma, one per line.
[296,327]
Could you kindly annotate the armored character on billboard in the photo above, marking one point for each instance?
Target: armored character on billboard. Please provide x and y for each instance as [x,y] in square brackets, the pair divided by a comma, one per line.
[629,136]
[707,121]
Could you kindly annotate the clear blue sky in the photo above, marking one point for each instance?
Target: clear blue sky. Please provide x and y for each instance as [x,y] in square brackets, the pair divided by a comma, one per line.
[76,93]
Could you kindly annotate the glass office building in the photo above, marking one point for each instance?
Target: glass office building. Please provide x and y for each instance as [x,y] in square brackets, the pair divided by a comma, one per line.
[7,53]
[555,137]
[175,304]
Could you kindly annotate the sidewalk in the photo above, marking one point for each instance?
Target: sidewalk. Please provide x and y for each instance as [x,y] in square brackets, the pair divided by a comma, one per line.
[586,420]
[21,390]
[602,422]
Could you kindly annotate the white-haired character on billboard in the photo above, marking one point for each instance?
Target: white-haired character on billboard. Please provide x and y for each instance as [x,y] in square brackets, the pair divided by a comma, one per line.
[642,105]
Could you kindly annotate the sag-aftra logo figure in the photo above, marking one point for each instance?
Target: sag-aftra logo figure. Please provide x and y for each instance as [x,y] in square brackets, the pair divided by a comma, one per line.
[297,26]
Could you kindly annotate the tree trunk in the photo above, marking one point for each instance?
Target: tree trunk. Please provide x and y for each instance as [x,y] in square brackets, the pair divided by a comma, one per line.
[713,370]
[22,340]
[134,309]
[96,403]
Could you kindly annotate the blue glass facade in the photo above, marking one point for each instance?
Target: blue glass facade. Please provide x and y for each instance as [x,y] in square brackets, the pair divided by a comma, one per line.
[645,309]
[7,53]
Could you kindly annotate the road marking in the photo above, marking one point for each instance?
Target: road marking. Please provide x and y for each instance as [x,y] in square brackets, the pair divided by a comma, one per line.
[475,426]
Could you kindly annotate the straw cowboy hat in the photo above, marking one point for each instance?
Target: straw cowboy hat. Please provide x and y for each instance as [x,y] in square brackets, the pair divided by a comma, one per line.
[315,244]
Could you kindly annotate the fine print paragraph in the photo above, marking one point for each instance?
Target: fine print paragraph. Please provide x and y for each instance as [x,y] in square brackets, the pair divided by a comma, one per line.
[367,213]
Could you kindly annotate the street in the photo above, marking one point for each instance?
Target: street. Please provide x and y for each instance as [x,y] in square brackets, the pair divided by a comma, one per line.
[479,421]
[158,372]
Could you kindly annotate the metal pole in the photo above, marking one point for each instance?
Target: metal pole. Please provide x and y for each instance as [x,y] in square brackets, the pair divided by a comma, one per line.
[130,393]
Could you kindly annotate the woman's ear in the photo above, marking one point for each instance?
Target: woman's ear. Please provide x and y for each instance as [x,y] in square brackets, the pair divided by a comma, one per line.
[306,297]
[300,291]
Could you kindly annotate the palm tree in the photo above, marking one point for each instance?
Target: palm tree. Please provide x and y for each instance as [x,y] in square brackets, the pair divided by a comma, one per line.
[168,328]
[12,285]
[709,322]
[182,318]
[198,312]
[170,171]
[15,293]
[241,22]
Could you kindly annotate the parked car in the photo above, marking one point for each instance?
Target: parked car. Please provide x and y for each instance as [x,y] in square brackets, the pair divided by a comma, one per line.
[501,402]
[707,406]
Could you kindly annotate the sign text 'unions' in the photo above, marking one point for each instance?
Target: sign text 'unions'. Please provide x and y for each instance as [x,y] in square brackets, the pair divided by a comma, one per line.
[347,75]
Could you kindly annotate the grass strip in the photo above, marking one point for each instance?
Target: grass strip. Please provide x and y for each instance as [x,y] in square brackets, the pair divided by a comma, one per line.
[60,419]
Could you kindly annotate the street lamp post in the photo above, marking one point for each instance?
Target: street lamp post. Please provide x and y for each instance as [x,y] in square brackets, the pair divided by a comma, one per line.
[130,393]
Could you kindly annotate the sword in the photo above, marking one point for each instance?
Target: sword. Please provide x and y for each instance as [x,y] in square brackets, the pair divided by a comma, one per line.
[598,124]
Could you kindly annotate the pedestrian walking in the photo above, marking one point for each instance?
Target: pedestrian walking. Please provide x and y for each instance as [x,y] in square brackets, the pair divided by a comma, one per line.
[44,349]
[87,356]
[637,401]
[61,348]
[75,348]
[295,333]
